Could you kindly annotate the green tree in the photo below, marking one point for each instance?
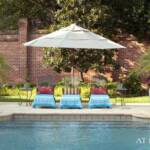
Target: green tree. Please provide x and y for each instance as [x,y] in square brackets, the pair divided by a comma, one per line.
[35,10]
[91,15]
[143,67]
[132,16]
[82,60]
[145,61]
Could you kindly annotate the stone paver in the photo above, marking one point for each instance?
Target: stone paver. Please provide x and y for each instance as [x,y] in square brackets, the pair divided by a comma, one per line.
[142,110]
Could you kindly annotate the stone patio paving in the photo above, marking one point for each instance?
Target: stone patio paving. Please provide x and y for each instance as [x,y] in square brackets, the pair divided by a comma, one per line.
[140,110]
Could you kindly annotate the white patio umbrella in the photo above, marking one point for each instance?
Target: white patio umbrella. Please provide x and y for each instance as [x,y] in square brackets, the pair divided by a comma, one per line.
[75,37]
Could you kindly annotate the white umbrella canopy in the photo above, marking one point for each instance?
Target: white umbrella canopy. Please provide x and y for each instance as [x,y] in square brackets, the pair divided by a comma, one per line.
[76,37]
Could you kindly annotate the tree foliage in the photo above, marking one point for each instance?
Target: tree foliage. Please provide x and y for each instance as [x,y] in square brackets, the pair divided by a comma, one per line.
[133,16]
[143,67]
[83,14]
[82,60]
[133,84]
[36,10]
[104,17]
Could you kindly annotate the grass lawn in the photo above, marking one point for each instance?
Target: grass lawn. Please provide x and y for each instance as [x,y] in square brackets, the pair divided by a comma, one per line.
[142,99]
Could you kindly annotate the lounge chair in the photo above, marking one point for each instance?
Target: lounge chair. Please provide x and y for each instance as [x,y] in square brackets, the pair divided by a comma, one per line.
[71,99]
[44,98]
[99,99]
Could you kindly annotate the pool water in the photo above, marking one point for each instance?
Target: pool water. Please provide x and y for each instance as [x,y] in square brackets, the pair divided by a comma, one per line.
[34,135]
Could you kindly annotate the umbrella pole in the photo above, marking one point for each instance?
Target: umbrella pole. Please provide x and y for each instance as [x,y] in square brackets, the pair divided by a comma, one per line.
[72,76]
[72,69]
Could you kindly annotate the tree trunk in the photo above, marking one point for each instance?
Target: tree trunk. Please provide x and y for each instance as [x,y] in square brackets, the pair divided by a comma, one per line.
[81,74]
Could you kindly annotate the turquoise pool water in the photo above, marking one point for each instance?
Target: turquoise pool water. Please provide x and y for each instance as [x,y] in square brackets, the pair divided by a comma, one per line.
[34,135]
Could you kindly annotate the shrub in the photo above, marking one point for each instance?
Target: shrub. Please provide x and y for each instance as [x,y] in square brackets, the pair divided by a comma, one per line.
[85,91]
[66,81]
[133,84]
[112,86]
[58,90]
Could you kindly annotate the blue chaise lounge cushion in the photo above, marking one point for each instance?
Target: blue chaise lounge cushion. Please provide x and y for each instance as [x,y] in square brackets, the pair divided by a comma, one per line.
[44,100]
[99,101]
[71,101]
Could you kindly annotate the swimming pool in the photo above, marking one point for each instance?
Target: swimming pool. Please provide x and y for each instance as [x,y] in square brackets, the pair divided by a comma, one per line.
[34,135]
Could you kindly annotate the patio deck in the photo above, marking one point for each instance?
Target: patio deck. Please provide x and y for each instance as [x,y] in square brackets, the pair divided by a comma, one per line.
[130,112]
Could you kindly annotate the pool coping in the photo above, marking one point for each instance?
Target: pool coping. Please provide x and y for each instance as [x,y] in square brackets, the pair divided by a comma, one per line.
[74,117]
[13,111]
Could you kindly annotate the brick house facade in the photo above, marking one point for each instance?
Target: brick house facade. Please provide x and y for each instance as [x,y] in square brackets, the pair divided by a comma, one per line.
[26,62]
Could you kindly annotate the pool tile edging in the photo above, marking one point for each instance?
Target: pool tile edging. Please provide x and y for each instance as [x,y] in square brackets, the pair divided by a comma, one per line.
[73,117]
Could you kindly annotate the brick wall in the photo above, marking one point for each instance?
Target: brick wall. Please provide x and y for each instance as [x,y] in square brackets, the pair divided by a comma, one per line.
[26,63]
[15,54]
